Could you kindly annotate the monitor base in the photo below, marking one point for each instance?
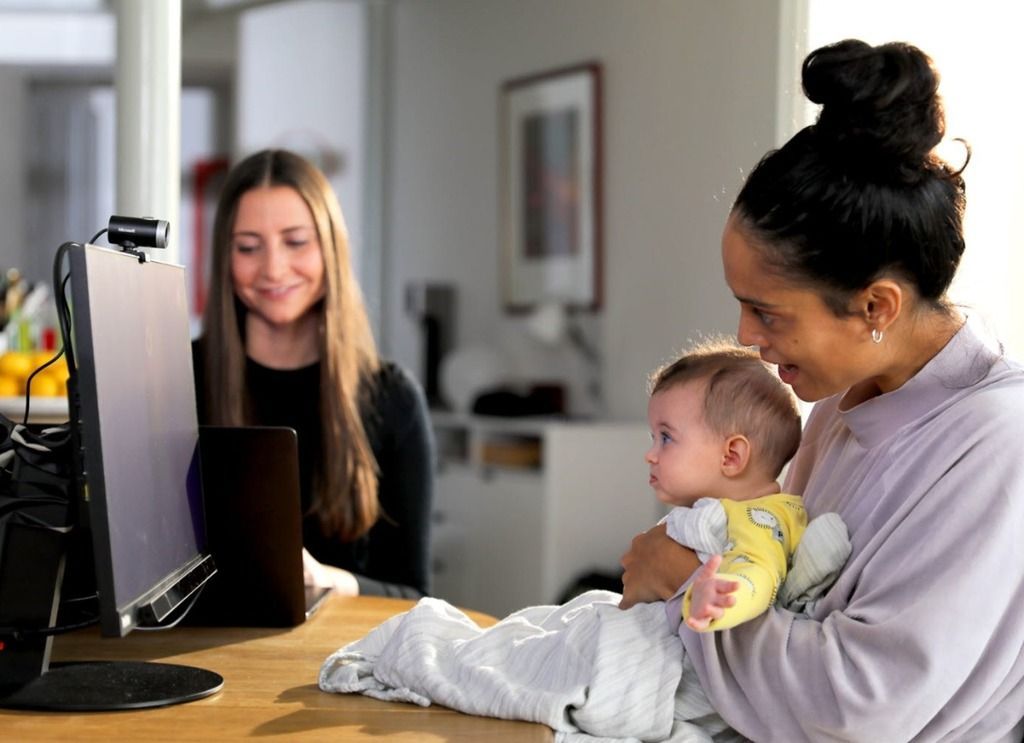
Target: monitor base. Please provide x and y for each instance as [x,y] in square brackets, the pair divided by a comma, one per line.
[88,686]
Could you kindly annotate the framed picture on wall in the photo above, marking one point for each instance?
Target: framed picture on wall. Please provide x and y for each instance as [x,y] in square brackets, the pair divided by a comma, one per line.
[551,189]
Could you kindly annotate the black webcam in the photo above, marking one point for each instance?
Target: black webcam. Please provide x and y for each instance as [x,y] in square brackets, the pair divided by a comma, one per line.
[138,232]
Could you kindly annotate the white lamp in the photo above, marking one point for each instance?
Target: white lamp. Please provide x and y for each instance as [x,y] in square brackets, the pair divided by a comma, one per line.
[551,324]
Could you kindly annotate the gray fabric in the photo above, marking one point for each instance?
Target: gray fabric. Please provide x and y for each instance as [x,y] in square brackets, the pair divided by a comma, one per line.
[703,528]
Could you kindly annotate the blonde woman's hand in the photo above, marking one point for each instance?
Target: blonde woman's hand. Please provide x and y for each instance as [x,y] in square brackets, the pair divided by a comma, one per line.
[315,573]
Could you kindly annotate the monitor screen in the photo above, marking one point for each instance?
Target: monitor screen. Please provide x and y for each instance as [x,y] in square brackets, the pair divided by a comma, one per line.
[139,434]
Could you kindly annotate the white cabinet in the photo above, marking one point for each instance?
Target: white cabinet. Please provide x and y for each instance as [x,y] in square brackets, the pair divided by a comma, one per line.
[523,507]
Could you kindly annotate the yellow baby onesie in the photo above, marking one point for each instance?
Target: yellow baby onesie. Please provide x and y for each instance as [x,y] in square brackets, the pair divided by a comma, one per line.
[762,535]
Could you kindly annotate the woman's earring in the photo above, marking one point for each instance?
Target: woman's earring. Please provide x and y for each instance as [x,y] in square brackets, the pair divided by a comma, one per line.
[877,335]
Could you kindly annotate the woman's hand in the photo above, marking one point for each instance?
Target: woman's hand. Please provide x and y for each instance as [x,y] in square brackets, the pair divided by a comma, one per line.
[315,573]
[655,566]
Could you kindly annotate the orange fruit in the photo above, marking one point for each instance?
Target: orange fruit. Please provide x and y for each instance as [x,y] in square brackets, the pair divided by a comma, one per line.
[45,386]
[9,386]
[16,364]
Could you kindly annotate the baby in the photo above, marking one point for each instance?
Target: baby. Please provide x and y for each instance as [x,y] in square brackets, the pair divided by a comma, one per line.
[723,426]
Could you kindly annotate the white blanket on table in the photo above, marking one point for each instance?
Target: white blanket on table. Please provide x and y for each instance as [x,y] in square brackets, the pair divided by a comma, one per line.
[587,669]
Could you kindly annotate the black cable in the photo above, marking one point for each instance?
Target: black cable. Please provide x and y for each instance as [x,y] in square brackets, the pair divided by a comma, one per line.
[67,318]
[18,633]
[28,519]
[20,448]
[97,236]
[64,306]
[63,311]
[28,383]
[23,502]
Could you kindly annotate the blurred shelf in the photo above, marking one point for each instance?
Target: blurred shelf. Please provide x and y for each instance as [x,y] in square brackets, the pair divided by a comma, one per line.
[523,506]
[41,409]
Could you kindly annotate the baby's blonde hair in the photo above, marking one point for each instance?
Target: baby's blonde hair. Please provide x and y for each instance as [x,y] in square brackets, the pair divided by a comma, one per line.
[741,396]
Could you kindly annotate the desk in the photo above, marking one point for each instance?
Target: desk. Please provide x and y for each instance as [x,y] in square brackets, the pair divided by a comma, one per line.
[269,689]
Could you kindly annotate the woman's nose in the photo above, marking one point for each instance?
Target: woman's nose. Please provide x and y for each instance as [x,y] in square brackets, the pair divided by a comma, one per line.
[746,335]
[275,262]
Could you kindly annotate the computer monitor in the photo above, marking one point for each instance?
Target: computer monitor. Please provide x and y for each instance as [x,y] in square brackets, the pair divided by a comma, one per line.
[139,461]
[139,434]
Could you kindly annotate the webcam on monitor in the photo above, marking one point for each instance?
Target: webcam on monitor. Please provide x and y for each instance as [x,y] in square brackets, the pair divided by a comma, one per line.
[132,233]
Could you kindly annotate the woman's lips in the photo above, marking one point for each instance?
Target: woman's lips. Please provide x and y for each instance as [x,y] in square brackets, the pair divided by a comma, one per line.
[276,292]
[788,373]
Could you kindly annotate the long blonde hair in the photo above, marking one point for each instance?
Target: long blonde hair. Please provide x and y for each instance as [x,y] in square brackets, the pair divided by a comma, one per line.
[345,484]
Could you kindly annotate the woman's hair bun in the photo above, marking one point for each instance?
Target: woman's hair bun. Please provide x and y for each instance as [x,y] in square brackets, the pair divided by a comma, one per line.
[879,103]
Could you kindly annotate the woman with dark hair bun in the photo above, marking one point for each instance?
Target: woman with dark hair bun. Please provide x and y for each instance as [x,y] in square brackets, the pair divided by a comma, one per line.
[840,248]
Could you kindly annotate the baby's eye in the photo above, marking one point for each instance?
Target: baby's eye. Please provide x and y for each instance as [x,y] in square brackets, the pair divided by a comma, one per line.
[665,438]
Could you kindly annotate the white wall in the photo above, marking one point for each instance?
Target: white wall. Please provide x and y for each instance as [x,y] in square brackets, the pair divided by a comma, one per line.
[300,85]
[689,105]
[977,55]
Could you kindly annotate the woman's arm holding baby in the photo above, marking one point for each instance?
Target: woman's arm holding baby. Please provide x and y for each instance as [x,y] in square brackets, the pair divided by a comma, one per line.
[655,566]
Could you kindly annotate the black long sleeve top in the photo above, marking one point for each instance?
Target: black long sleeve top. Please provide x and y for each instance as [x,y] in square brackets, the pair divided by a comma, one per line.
[393,558]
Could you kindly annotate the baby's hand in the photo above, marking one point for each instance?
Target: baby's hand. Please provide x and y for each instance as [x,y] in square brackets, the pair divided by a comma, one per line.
[710,595]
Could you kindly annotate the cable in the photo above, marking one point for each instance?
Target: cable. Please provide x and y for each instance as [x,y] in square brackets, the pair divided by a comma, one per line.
[63,311]
[18,633]
[79,599]
[22,503]
[97,236]
[63,305]
[28,383]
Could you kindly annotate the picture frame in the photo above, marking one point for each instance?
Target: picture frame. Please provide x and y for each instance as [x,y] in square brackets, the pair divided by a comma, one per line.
[551,189]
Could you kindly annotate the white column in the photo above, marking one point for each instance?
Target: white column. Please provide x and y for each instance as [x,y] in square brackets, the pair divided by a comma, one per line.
[147,78]
[376,140]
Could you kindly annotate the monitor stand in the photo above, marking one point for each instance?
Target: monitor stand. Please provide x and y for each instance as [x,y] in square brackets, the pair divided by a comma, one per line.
[82,686]
[31,574]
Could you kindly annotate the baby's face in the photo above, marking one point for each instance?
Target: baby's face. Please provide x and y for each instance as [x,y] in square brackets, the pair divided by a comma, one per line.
[685,457]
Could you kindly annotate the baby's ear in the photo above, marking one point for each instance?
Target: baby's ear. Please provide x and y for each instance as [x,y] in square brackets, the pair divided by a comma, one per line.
[735,455]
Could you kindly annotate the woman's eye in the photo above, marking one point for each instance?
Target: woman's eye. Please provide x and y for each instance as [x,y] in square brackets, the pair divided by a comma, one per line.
[295,244]
[763,316]
[245,248]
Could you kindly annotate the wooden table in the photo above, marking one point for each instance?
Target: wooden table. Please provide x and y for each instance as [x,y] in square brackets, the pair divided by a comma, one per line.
[269,689]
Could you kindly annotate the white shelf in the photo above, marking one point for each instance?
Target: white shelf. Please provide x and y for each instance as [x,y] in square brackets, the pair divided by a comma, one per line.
[47,409]
[505,536]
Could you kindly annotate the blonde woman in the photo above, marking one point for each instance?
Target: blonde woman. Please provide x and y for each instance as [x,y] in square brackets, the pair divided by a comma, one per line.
[287,342]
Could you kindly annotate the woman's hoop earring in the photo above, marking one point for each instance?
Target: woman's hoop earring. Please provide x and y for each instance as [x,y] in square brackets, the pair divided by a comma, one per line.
[877,335]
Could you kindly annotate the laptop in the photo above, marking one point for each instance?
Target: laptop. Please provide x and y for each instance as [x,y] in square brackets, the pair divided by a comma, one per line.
[254,529]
